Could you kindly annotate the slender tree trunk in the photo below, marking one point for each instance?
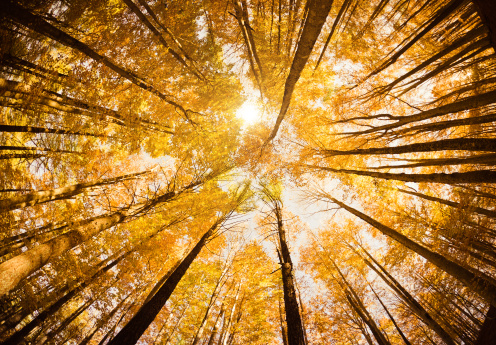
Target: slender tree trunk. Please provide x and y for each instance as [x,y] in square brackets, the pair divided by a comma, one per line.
[36,23]
[284,329]
[215,329]
[379,337]
[479,283]
[19,267]
[135,9]
[487,13]
[317,15]
[293,318]
[213,297]
[17,337]
[487,334]
[31,129]
[356,303]
[66,104]
[337,20]
[66,192]
[460,144]
[466,103]
[437,18]
[483,159]
[400,332]
[227,327]
[486,212]
[412,303]
[133,330]
[480,176]
[240,8]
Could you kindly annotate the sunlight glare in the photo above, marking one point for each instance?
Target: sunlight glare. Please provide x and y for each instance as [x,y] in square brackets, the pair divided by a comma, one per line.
[248,112]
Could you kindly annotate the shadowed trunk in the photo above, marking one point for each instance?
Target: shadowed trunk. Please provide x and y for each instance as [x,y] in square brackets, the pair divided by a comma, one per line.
[133,330]
[293,318]
[36,23]
[481,176]
[316,18]
[479,283]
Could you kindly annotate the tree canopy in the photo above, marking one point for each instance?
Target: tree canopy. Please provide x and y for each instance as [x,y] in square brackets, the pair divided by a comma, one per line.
[220,172]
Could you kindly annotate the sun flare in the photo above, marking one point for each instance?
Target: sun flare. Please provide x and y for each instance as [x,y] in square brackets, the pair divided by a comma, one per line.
[248,112]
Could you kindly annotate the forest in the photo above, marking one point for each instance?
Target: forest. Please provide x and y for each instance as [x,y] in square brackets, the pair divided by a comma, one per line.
[222,172]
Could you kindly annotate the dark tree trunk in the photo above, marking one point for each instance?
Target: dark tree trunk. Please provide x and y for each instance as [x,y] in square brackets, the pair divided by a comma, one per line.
[481,176]
[11,9]
[487,13]
[410,301]
[487,334]
[486,212]
[460,144]
[133,330]
[479,283]
[295,325]
[66,192]
[316,18]
[31,129]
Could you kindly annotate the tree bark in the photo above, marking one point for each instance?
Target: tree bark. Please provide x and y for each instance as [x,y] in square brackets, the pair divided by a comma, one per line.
[400,332]
[66,192]
[480,176]
[11,9]
[213,297]
[135,9]
[459,144]
[31,129]
[293,318]
[19,267]
[479,283]
[487,334]
[486,212]
[316,18]
[487,12]
[133,330]
[466,103]
[412,303]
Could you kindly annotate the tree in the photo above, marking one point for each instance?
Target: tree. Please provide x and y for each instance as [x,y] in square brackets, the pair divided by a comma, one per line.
[123,148]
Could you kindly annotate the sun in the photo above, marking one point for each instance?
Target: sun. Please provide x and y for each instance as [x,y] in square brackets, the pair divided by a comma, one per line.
[248,112]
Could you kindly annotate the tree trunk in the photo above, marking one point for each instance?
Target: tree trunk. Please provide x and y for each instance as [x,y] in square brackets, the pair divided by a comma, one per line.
[284,329]
[215,329]
[36,23]
[337,20]
[481,176]
[17,337]
[213,297]
[412,303]
[479,283]
[487,334]
[460,144]
[135,9]
[293,318]
[437,18]
[133,330]
[244,24]
[31,129]
[21,266]
[379,337]
[400,332]
[466,103]
[487,13]
[316,18]
[66,192]
[357,305]
[486,212]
